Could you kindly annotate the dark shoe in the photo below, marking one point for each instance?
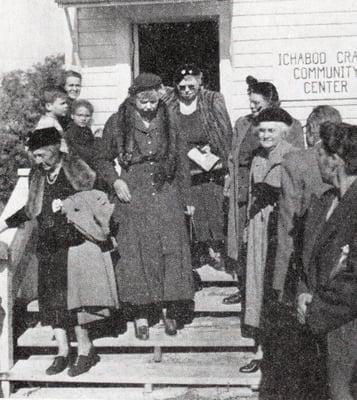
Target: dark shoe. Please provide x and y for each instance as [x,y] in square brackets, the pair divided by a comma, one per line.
[58,365]
[235,298]
[253,366]
[170,326]
[141,332]
[84,363]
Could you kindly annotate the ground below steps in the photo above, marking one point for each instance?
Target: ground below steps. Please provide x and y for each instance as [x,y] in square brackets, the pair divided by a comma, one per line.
[167,393]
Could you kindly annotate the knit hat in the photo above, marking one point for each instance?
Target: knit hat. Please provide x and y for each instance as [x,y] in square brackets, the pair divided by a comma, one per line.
[43,137]
[145,81]
[274,114]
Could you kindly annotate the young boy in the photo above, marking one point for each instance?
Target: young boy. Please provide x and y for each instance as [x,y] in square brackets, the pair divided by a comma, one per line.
[54,101]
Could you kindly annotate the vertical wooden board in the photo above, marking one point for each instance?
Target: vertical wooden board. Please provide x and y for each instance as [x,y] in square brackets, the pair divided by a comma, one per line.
[269,7]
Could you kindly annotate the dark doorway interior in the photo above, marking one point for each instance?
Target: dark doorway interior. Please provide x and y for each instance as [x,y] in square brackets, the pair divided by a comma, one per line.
[164,46]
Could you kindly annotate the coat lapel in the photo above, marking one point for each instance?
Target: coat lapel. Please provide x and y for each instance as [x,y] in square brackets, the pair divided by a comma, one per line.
[341,214]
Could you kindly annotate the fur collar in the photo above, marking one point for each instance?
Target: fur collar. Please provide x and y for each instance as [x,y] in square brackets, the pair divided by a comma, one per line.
[78,173]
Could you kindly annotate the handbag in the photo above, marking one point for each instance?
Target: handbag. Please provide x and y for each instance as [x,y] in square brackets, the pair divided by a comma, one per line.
[199,250]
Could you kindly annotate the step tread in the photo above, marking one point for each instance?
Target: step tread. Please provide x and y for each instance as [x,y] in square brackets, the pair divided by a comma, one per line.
[193,369]
[203,332]
[209,299]
[134,393]
[210,274]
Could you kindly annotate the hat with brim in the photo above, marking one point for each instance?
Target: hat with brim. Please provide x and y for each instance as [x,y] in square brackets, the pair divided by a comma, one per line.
[274,114]
[145,81]
[42,138]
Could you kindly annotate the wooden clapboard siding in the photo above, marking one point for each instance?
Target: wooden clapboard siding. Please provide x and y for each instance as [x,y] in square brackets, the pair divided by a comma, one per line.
[259,26]
[104,43]
[98,37]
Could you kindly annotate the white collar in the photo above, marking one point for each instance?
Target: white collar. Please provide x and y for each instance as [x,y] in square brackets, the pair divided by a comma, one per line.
[187,109]
[52,176]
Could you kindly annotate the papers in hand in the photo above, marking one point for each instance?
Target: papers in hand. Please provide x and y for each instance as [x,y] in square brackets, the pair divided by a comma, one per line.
[205,160]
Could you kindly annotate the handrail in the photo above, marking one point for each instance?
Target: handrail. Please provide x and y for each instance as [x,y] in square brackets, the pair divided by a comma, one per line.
[12,251]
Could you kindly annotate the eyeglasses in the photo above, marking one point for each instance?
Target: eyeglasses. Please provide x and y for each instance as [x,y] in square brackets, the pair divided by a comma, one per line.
[183,87]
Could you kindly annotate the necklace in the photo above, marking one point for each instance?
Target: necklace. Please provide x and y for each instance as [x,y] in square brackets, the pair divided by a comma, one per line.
[51,180]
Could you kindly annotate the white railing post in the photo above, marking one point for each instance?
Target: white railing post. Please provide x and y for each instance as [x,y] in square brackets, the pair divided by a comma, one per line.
[7,257]
[6,335]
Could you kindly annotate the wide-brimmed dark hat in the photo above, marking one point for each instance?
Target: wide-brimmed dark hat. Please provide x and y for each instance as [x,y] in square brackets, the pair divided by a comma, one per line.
[274,114]
[145,81]
[43,137]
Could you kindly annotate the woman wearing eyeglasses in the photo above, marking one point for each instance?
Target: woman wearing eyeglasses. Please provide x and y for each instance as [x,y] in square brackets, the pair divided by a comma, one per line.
[206,132]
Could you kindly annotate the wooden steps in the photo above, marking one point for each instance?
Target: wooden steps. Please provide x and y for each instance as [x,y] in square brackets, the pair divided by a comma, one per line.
[208,300]
[203,332]
[187,369]
[206,353]
[135,393]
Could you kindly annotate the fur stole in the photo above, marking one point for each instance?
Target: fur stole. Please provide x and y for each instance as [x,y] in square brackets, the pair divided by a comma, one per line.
[214,118]
[129,152]
[78,173]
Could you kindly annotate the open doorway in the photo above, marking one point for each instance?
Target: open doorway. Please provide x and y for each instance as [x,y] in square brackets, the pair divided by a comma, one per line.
[164,46]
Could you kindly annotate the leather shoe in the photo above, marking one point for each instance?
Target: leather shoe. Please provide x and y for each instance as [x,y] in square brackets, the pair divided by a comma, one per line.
[84,363]
[141,332]
[170,326]
[58,365]
[235,298]
[251,367]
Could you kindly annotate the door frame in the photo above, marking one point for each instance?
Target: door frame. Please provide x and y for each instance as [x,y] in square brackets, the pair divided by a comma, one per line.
[221,11]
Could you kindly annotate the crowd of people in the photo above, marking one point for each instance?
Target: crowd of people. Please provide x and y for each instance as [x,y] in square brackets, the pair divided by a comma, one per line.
[124,217]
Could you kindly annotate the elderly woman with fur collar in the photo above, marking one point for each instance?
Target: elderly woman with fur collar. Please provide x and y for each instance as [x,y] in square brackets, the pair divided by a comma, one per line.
[154,270]
[272,126]
[63,295]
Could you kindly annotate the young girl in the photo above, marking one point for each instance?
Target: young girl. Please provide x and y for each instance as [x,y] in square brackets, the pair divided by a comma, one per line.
[79,134]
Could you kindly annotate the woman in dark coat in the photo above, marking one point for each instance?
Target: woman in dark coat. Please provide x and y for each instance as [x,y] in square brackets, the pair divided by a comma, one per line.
[204,123]
[154,269]
[62,301]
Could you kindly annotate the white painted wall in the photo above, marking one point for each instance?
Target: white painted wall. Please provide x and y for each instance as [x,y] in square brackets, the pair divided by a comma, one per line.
[30,30]
[262,28]
[107,50]
[252,33]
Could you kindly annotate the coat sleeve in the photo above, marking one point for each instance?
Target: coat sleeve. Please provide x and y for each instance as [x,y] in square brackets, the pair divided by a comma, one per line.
[17,219]
[335,304]
[220,110]
[295,135]
[108,151]
[183,173]
[290,206]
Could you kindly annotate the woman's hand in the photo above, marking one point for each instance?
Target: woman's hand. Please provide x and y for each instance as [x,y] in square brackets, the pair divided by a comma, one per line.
[3,226]
[206,149]
[303,300]
[122,191]
[227,185]
[57,205]
[190,210]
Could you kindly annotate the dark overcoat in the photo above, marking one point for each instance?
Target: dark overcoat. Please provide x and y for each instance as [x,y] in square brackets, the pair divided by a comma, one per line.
[155,263]
[301,178]
[333,310]
[62,284]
